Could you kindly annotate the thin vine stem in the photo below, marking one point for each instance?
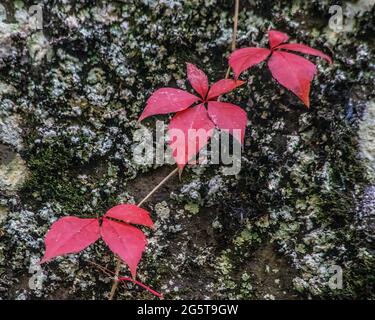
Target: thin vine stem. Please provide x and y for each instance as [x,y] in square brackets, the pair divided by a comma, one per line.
[118,260]
[152,291]
[161,183]
[234,35]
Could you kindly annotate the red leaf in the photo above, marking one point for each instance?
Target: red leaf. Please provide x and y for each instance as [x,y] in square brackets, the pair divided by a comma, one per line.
[189,131]
[126,241]
[130,213]
[70,235]
[304,49]
[166,100]
[276,37]
[245,58]
[198,79]
[223,86]
[228,117]
[293,72]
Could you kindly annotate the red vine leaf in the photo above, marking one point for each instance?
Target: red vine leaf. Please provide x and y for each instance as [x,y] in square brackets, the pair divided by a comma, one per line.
[197,79]
[167,100]
[276,37]
[305,49]
[243,59]
[189,131]
[223,86]
[70,235]
[228,117]
[126,241]
[130,213]
[292,71]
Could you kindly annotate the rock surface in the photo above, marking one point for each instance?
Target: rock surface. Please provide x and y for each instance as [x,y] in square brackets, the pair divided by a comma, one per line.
[299,213]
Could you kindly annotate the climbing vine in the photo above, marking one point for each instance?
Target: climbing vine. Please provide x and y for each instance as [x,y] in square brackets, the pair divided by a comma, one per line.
[202,112]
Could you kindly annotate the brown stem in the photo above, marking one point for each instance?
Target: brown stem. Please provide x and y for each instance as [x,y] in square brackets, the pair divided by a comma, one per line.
[105,270]
[115,278]
[152,291]
[118,260]
[234,35]
[158,186]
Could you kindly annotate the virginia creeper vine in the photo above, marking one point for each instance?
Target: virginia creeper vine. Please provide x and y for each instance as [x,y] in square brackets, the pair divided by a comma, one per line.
[203,110]
[176,170]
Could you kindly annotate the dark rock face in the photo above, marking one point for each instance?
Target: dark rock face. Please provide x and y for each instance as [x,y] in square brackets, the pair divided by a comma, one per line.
[366,216]
[299,213]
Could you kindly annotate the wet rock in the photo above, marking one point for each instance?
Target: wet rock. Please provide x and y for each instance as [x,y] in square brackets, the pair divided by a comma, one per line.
[70,97]
[10,131]
[3,214]
[366,215]
[366,135]
[13,170]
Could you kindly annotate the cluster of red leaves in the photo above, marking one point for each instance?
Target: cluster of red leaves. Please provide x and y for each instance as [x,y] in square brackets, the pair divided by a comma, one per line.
[202,118]
[72,234]
[292,71]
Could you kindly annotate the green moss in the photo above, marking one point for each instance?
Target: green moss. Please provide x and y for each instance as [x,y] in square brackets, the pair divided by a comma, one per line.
[55,178]
[192,208]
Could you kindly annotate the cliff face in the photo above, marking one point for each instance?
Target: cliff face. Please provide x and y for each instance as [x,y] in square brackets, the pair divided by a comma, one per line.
[299,213]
